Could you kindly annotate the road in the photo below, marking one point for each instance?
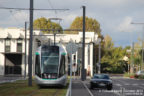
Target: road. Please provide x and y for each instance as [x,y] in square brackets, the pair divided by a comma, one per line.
[121,87]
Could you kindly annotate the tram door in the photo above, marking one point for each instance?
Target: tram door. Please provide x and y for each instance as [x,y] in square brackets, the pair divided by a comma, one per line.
[13,64]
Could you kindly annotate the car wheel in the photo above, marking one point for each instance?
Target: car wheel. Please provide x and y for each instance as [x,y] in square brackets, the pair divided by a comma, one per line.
[109,87]
[91,87]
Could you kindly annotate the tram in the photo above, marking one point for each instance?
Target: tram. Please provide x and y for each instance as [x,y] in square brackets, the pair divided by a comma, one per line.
[51,66]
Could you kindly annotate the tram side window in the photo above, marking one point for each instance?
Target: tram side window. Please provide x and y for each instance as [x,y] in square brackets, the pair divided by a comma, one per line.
[37,65]
[62,66]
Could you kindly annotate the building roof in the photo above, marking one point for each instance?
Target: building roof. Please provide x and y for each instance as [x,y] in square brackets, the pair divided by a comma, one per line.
[65,38]
[15,33]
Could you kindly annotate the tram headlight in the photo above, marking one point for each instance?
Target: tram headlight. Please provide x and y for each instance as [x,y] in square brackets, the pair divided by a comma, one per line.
[49,76]
[45,75]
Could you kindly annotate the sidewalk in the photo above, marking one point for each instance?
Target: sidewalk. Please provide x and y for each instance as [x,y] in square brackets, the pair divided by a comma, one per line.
[78,88]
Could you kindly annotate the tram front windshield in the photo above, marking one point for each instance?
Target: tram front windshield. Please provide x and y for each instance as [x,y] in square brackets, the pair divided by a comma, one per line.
[50,60]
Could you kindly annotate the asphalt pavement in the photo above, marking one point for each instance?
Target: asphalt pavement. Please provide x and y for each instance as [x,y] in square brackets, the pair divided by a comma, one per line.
[121,87]
[5,79]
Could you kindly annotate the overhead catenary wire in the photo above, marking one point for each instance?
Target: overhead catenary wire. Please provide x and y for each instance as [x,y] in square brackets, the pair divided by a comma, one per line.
[15,18]
[10,8]
[52,7]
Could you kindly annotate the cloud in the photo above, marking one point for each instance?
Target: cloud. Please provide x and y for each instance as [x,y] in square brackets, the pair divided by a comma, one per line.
[19,16]
[67,20]
[126,25]
[114,16]
[111,2]
[15,19]
[3,1]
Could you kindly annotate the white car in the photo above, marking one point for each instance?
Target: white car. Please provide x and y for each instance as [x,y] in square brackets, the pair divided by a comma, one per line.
[140,72]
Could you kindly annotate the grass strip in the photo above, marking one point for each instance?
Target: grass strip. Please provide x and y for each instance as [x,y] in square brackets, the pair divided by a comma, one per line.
[21,88]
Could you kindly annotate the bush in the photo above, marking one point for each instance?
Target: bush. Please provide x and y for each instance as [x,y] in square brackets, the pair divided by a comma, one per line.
[141,77]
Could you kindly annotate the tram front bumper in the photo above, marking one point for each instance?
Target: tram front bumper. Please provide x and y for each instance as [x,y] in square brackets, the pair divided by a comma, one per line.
[51,82]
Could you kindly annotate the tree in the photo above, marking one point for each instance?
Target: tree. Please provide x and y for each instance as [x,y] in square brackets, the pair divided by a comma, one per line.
[112,58]
[43,23]
[112,61]
[92,25]
[108,43]
[107,54]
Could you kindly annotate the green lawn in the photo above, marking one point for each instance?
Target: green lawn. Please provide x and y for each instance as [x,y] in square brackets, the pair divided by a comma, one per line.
[21,88]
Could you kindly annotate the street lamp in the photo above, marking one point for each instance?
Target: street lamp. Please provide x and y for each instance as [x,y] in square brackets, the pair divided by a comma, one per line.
[141,68]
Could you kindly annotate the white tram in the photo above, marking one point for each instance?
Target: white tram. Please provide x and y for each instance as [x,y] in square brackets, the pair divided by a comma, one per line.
[51,66]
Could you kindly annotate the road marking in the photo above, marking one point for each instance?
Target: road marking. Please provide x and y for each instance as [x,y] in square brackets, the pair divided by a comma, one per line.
[117,93]
[118,84]
[140,87]
[87,89]
[135,84]
[127,84]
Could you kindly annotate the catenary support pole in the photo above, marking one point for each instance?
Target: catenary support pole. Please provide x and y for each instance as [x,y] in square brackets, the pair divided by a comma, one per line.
[99,57]
[25,49]
[141,66]
[54,38]
[142,51]
[71,70]
[83,48]
[132,62]
[30,44]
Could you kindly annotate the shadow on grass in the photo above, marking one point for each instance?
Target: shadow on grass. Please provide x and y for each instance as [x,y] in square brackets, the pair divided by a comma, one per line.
[54,87]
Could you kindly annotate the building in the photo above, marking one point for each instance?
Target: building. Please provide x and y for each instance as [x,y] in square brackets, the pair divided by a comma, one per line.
[12,51]
[13,60]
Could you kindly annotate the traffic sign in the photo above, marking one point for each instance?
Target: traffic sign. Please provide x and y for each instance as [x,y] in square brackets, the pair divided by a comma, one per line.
[71,47]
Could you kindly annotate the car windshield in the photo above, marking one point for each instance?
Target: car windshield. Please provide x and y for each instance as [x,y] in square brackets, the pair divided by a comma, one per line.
[101,77]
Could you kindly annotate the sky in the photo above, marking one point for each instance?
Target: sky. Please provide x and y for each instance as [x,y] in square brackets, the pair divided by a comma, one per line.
[114,16]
